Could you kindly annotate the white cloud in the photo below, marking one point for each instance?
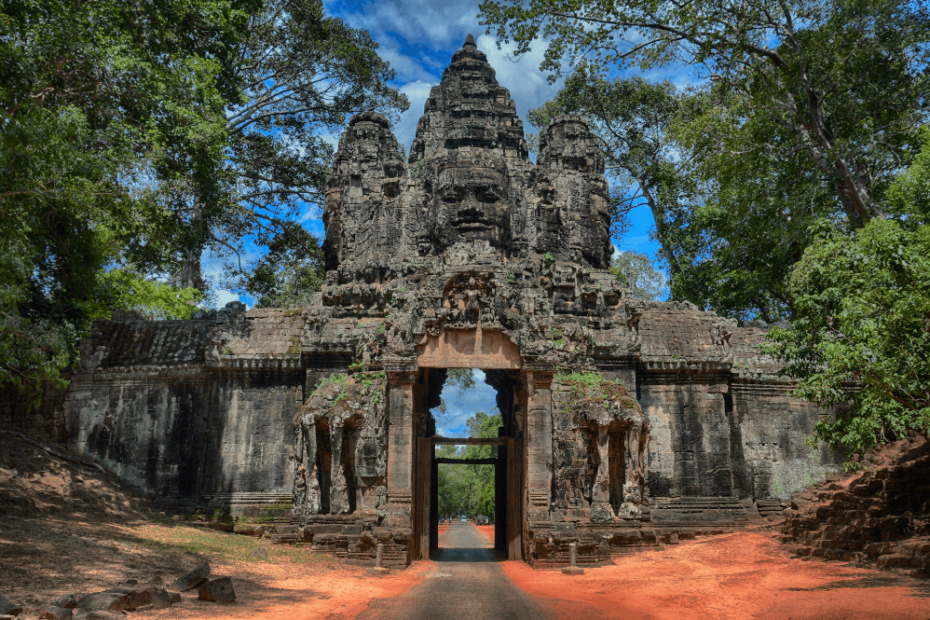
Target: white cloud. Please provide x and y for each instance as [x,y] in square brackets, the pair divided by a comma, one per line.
[408,69]
[405,130]
[436,23]
[521,76]
[464,404]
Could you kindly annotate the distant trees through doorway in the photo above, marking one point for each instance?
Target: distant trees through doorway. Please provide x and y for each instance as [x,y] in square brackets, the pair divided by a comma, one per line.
[469,489]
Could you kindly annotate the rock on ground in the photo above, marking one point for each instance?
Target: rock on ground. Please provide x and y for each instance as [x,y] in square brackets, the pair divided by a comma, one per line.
[8,607]
[192,579]
[218,591]
[52,612]
[99,615]
[68,601]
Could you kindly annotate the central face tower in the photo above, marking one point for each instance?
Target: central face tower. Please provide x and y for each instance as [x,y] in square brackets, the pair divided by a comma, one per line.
[468,183]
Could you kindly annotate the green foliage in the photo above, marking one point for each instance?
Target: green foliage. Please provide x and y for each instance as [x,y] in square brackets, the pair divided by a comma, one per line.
[861,334]
[461,378]
[108,130]
[640,275]
[289,274]
[154,300]
[548,259]
[592,387]
[909,193]
[809,112]
[620,276]
[302,73]
[469,489]
[134,134]
[336,377]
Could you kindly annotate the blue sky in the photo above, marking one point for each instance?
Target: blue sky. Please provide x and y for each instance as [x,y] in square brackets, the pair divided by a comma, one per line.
[463,404]
[418,38]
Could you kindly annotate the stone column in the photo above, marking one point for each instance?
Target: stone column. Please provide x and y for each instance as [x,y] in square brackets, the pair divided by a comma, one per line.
[600,495]
[400,447]
[338,491]
[538,444]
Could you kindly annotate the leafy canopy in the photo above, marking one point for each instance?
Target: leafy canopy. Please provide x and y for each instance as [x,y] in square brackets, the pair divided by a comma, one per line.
[108,116]
[640,275]
[844,79]
[302,74]
[861,335]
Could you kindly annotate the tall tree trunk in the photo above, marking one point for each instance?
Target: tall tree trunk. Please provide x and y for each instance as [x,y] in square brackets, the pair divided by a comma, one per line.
[191,274]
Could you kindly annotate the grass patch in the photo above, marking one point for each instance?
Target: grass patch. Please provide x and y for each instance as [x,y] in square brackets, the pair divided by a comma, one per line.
[222,547]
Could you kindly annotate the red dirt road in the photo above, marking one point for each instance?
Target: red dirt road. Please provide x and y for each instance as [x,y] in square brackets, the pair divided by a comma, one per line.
[733,577]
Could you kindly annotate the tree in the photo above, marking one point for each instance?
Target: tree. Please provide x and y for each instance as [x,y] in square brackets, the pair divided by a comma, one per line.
[107,112]
[302,74]
[845,79]
[461,378]
[469,489]
[637,270]
[860,340]
[289,274]
[134,134]
[909,194]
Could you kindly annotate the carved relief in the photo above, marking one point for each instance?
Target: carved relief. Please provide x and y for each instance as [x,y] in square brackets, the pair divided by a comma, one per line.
[599,443]
[341,448]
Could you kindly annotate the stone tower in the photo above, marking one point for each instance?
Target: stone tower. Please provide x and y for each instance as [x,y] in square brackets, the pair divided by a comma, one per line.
[469,182]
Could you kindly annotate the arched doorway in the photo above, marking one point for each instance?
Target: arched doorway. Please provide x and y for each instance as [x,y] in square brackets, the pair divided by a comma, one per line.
[499,358]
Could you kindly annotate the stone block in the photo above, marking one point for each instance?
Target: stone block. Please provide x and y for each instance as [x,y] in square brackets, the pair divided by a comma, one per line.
[192,579]
[218,590]
[50,612]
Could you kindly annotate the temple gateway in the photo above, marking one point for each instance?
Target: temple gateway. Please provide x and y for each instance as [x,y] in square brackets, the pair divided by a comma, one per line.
[626,423]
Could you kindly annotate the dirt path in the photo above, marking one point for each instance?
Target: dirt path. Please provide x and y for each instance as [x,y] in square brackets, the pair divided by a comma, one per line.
[467,582]
[742,576]
[64,530]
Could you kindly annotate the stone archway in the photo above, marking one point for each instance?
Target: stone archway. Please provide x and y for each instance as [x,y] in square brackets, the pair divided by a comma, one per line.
[491,351]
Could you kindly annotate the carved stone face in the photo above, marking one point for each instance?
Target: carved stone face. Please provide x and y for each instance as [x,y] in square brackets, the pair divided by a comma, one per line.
[471,203]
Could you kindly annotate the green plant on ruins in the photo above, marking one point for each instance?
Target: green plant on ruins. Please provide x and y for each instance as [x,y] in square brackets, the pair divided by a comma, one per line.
[591,387]
[372,384]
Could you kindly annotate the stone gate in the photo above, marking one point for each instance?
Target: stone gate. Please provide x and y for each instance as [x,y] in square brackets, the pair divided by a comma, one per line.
[628,423]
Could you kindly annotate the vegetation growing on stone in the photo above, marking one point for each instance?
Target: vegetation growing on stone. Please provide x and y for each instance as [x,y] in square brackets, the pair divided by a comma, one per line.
[592,387]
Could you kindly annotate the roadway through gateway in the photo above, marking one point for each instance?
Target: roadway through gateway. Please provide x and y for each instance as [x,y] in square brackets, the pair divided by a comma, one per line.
[468,584]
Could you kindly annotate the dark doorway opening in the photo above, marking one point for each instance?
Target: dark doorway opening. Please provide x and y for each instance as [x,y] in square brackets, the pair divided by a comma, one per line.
[496,450]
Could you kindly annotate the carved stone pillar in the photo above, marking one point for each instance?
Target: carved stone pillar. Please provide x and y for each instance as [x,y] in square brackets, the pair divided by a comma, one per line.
[600,494]
[400,447]
[538,444]
[338,488]
[634,488]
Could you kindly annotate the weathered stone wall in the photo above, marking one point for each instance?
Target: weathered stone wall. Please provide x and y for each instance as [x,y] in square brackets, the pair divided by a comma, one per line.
[194,413]
[192,438]
[769,447]
[690,449]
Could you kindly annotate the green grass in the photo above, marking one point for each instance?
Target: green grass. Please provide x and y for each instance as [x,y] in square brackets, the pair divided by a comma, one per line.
[221,547]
